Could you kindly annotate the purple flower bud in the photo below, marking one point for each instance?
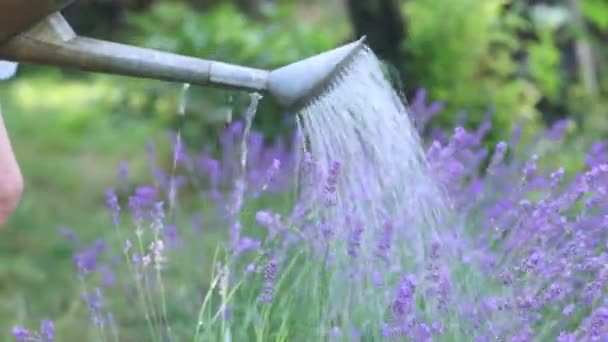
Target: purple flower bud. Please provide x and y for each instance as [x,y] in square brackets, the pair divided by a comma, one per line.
[146,195]
[47,330]
[557,177]
[264,218]
[172,236]
[246,244]
[21,334]
[123,173]
[384,245]
[498,157]
[405,294]
[113,206]
[354,240]
[569,309]
[437,328]
[558,129]
[377,279]
[565,337]
[530,168]
[270,277]
[69,234]
[332,183]
[94,302]
[85,260]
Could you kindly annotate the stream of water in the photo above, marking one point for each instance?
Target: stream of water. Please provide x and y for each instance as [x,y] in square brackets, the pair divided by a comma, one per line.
[362,123]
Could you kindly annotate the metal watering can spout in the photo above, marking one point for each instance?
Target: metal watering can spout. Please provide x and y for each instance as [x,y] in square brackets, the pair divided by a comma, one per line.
[47,39]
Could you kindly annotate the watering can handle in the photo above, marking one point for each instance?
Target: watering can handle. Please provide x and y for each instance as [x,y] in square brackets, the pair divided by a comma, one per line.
[18,16]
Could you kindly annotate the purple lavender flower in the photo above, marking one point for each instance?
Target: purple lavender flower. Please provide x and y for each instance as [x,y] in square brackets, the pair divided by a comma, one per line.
[113,206]
[558,129]
[566,337]
[331,184]
[22,334]
[530,168]
[423,113]
[137,209]
[94,301]
[69,234]
[264,218]
[108,278]
[146,195]
[86,260]
[385,242]
[247,244]
[270,277]
[354,240]
[498,157]
[569,309]
[557,177]
[402,305]
[172,236]
[376,278]
[544,240]
[47,330]
[123,174]
[422,332]
[599,324]
[327,230]
[270,221]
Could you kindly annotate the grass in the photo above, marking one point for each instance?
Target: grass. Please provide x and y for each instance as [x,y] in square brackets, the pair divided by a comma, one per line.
[69,153]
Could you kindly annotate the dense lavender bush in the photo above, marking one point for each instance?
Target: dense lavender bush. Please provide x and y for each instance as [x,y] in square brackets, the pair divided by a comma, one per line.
[522,255]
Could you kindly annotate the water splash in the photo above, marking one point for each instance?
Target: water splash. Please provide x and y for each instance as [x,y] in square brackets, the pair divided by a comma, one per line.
[240,183]
[362,123]
[183,102]
[177,148]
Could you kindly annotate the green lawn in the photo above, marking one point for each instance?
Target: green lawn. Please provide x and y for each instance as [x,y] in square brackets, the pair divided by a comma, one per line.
[69,151]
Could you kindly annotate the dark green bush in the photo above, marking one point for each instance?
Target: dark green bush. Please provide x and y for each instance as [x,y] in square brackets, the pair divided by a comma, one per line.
[222,34]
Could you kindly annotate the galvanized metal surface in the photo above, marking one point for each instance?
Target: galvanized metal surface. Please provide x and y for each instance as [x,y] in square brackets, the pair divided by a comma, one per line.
[52,42]
[17,16]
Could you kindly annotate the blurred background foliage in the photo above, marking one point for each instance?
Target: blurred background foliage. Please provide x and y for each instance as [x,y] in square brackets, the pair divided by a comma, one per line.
[531,62]
[527,62]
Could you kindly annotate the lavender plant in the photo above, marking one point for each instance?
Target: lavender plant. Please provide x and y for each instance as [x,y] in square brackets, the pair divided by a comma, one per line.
[523,257]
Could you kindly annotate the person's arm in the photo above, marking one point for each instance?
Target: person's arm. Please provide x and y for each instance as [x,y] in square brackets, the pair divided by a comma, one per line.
[11,180]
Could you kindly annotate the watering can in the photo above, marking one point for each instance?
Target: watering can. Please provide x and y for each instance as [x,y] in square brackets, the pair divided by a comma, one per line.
[34,31]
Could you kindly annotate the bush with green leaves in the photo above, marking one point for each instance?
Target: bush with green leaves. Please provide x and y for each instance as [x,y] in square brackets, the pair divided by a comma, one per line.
[222,34]
[463,53]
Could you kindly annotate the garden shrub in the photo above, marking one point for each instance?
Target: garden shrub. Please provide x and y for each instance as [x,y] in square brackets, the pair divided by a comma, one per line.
[522,255]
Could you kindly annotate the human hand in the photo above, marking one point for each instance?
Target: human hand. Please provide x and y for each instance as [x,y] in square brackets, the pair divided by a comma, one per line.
[11,180]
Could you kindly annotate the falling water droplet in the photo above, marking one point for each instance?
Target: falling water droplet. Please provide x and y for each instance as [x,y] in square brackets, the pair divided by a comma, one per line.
[177,148]
[184,99]
[362,124]
[240,183]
